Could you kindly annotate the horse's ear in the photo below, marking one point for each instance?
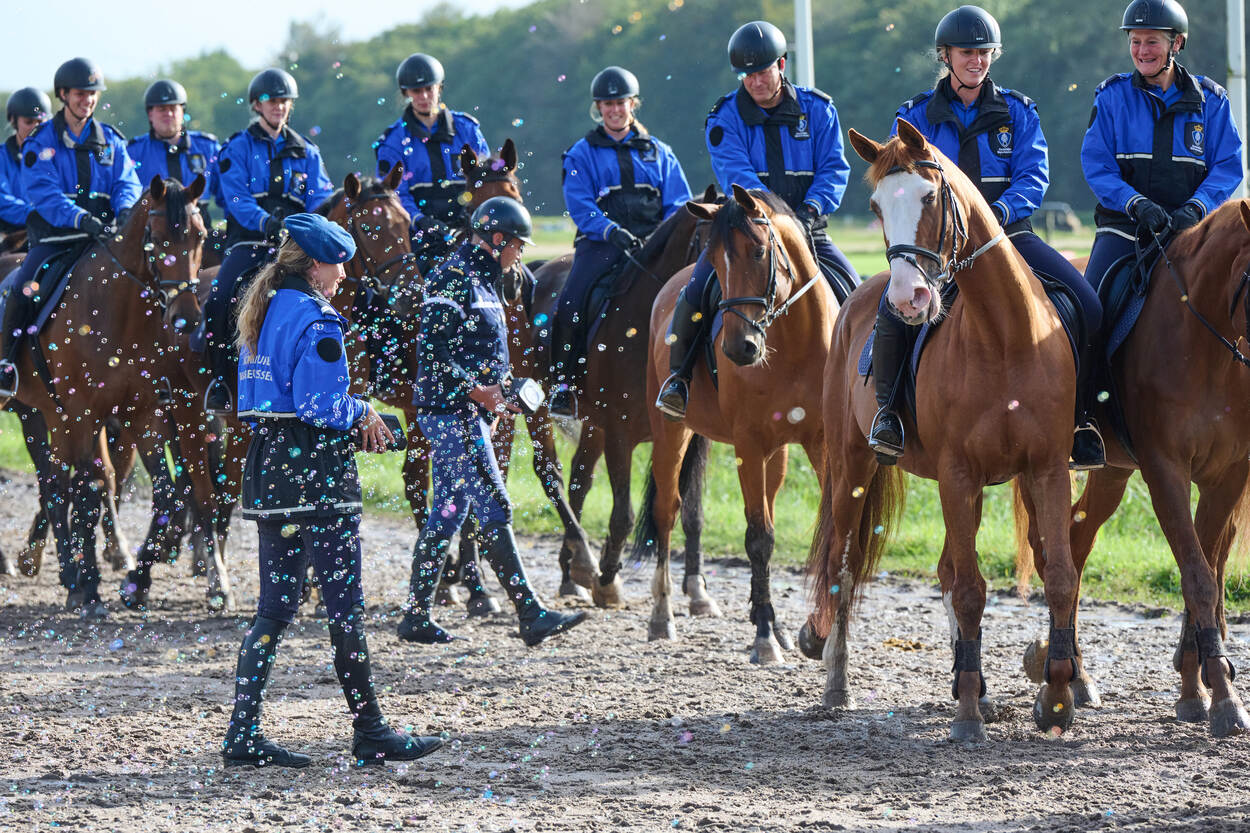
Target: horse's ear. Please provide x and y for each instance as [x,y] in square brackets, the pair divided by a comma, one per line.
[1245,212]
[702,211]
[351,186]
[867,149]
[196,189]
[393,176]
[911,137]
[468,158]
[508,154]
[157,188]
[710,194]
[743,197]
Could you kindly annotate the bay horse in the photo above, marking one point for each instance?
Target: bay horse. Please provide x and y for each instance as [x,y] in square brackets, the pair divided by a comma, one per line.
[778,320]
[1186,420]
[994,397]
[614,408]
[105,350]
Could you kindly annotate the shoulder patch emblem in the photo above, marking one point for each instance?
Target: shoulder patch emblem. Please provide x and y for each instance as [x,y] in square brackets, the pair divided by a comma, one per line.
[330,349]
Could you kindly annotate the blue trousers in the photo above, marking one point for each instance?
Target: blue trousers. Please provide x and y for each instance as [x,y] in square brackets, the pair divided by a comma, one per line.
[465,474]
[591,259]
[1108,248]
[834,265]
[331,544]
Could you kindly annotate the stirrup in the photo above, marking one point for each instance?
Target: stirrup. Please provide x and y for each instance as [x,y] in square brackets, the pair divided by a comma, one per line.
[8,379]
[1093,452]
[887,452]
[566,399]
[668,407]
[217,408]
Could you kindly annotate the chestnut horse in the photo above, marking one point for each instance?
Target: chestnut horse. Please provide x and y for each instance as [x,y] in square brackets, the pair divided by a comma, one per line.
[778,319]
[994,398]
[1187,423]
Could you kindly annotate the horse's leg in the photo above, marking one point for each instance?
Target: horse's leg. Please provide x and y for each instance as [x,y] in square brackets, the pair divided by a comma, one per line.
[693,468]
[86,490]
[666,454]
[608,590]
[759,478]
[582,476]
[575,548]
[198,492]
[35,435]
[416,470]
[577,569]
[112,450]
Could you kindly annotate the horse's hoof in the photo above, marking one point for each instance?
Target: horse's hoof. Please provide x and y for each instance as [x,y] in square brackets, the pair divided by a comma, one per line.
[220,601]
[583,570]
[783,639]
[572,590]
[810,645]
[74,600]
[1229,718]
[10,569]
[30,559]
[988,709]
[666,629]
[705,606]
[968,731]
[481,606]
[1053,709]
[765,651]
[1035,660]
[608,595]
[199,567]
[447,594]
[1193,709]
[97,611]
[1085,693]
[837,698]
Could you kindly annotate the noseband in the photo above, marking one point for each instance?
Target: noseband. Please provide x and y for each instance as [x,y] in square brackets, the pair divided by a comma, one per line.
[169,288]
[769,299]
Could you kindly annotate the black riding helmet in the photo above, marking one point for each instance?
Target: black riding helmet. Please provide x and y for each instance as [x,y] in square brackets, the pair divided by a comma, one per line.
[419,70]
[612,83]
[1164,15]
[28,102]
[504,215]
[164,91]
[272,83]
[78,74]
[756,46]
[968,27]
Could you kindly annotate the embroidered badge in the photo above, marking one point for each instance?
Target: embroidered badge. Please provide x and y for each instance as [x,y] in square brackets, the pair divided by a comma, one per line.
[800,129]
[106,156]
[1003,141]
[196,163]
[1194,138]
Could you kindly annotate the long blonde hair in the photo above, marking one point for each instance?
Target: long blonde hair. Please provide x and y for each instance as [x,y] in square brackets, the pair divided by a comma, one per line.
[291,260]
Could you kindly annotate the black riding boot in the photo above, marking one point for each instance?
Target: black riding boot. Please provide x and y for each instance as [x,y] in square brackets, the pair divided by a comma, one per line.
[427,566]
[16,314]
[566,370]
[373,741]
[245,744]
[684,339]
[1088,451]
[537,623]
[889,351]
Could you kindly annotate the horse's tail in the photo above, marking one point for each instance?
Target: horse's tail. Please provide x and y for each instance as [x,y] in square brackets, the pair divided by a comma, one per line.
[645,531]
[841,571]
[1024,550]
[1239,548]
[689,485]
[693,470]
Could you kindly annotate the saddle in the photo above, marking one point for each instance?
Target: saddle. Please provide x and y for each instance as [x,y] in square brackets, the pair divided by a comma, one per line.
[52,275]
[606,287]
[709,306]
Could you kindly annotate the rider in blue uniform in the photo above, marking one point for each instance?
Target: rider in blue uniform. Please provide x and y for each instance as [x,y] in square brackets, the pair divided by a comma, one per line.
[620,183]
[267,172]
[428,139]
[460,389]
[26,109]
[771,135]
[995,137]
[301,487]
[79,181]
[1161,151]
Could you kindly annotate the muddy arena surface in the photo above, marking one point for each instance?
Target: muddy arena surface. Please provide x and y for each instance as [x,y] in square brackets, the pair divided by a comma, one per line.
[118,726]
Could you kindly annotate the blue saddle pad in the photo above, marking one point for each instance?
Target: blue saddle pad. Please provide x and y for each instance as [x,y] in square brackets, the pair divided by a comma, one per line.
[1123,294]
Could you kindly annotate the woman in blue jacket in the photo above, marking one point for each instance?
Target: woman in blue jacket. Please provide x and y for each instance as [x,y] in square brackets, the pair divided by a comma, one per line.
[301,487]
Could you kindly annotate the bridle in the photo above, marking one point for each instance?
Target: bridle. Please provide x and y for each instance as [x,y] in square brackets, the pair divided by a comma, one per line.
[953,216]
[769,300]
[371,271]
[168,290]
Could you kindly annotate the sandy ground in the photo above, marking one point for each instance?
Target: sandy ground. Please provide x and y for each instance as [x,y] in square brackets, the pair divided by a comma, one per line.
[117,726]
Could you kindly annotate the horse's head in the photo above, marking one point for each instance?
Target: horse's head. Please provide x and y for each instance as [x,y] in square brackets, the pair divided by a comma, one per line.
[762,260]
[923,202]
[494,176]
[370,210]
[166,227]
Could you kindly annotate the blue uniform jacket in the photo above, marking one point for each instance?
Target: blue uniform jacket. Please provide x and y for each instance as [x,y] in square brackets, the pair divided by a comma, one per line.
[463,338]
[805,162]
[636,183]
[1136,147]
[261,176]
[50,177]
[1002,150]
[13,203]
[294,391]
[193,153]
[433,181]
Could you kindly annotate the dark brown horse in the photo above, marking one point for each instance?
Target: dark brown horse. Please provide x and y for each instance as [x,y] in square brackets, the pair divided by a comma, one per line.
[614,406]
[106,350]
[994,399]
[778,319]
[1187,422]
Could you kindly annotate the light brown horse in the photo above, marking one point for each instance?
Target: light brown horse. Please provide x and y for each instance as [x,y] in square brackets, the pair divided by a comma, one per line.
[778,319]
[1187,422]
[994,399]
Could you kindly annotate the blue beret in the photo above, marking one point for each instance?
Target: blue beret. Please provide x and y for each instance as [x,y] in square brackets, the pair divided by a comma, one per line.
[320,239]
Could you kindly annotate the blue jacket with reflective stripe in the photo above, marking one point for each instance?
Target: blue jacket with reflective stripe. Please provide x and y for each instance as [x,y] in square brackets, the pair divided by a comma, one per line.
[812,167]
[407,141]
[1002,150]
[245,162]
[595,196]
[13,203]
[1199,150]
[194,153]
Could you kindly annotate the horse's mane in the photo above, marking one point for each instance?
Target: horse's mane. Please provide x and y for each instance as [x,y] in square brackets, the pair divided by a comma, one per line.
[370,187]
[1224,223]
[894,156]
[733,217]
[175,208]
[659,238]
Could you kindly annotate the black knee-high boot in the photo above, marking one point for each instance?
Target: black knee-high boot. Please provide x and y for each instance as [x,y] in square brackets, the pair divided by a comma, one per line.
[889,351]
[418,624]
[245,744]
[373,740]
[537,623]
[684,339]
[1088,451]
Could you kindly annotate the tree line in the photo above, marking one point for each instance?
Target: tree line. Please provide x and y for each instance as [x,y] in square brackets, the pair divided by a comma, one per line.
[525,73]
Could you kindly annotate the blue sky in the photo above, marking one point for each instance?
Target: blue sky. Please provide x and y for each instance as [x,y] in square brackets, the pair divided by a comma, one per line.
[42,34]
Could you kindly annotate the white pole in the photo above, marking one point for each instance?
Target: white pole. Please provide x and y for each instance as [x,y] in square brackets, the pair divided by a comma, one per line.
[1237,76]
[804,69]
